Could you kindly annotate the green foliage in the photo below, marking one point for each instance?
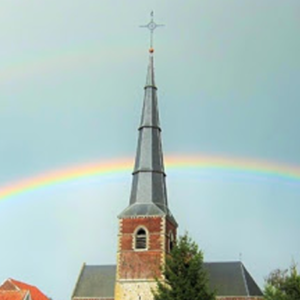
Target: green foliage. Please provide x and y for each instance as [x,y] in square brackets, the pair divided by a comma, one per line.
[283,285]
[185,277]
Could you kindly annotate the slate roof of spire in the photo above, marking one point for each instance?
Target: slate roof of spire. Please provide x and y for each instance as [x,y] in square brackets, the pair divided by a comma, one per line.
[148,192]
[226,278]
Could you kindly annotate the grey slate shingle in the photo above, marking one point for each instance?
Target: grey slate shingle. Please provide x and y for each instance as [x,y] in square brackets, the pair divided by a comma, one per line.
[96,282]
[148,191]
[227,279]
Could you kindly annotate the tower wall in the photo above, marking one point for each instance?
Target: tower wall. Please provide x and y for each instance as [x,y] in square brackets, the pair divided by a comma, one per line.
[170,228]
[140,264]
[136,268]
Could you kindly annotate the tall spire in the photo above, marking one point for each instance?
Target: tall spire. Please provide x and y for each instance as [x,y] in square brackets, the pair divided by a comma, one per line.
[148,193]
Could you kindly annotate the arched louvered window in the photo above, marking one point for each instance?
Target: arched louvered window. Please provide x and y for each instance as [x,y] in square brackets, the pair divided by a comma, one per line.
[141,239]
[171,241]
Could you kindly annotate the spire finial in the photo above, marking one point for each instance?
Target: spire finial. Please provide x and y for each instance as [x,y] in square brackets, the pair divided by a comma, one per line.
[152,26]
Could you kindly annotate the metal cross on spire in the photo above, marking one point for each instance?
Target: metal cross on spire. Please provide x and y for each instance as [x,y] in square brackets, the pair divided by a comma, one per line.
[151,26]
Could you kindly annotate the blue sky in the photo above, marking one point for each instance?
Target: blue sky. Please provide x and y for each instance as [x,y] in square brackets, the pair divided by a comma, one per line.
[72,76]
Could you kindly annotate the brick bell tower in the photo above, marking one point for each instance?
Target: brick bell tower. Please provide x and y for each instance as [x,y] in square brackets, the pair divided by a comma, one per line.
[147,228]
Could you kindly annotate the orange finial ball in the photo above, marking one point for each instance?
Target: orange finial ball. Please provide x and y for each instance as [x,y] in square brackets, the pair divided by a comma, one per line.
[151,50]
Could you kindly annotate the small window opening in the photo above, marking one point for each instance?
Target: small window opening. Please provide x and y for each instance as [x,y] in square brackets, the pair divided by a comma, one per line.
[141,239]
[171,241]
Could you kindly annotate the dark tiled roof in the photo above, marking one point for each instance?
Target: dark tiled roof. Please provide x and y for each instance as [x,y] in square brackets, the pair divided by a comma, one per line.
[231,279]
[252,286]
[226,278]
[96,282]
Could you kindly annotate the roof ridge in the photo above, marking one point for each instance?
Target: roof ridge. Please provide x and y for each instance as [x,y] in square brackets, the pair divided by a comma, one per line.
[108,265]
[80,275]
[13,282]
[21,282]
[244,279]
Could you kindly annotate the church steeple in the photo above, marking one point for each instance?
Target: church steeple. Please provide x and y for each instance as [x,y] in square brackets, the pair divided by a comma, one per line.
[148,192]
[147,229]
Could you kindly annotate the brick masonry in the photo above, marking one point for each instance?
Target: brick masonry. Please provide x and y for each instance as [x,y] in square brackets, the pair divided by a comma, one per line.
[137,269]
[140,264]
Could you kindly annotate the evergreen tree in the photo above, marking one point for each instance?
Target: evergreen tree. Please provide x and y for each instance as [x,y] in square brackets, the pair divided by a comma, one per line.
[283,285]
[184,273]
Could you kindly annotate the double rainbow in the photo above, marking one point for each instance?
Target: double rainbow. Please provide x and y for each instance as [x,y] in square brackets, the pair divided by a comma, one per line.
[198,162]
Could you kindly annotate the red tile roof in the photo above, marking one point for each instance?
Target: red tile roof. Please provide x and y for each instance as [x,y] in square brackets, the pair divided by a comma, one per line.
[12,295]
[9,286]
[35,293]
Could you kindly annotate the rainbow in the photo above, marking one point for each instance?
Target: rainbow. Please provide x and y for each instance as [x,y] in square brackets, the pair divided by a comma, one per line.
[258,168]
[68,59]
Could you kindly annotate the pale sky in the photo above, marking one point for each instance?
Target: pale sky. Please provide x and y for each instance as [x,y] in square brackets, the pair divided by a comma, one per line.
[72,76]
